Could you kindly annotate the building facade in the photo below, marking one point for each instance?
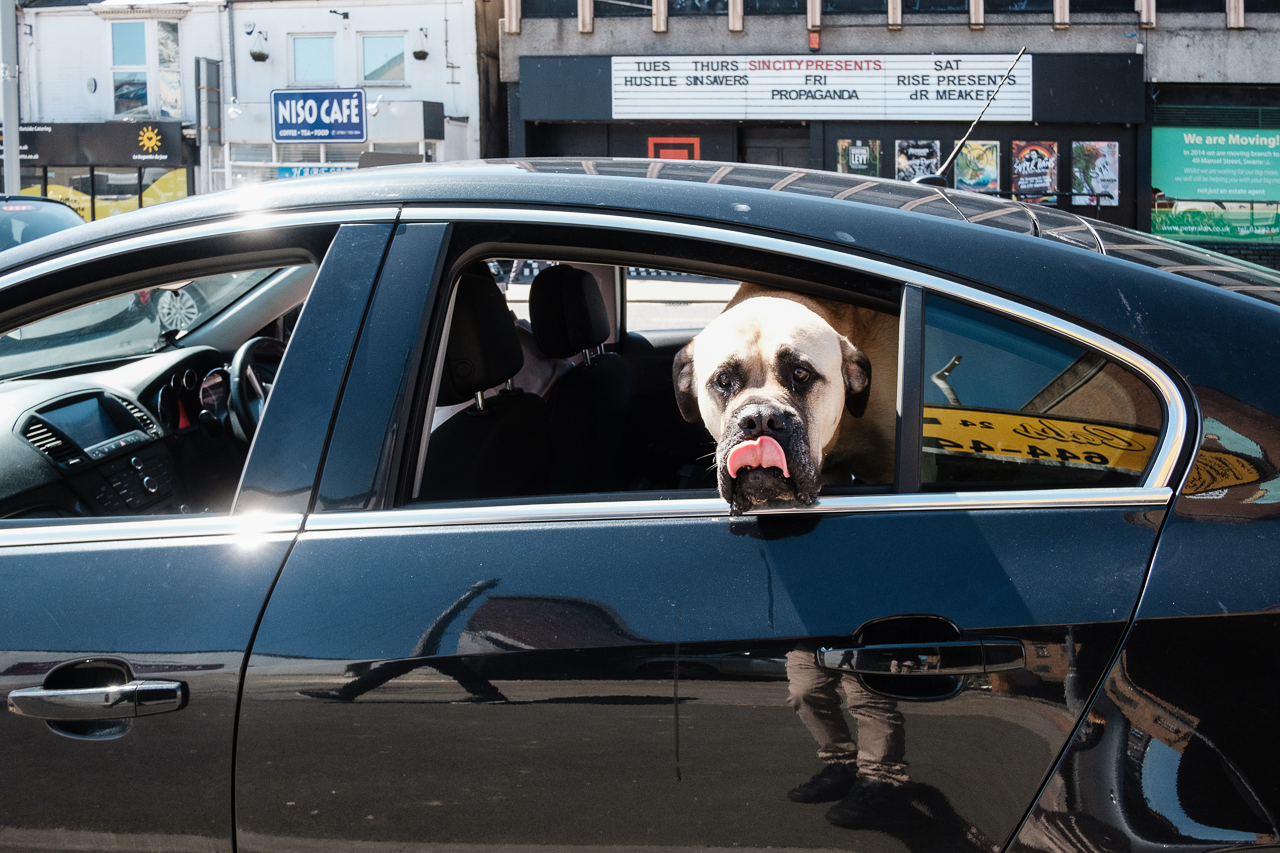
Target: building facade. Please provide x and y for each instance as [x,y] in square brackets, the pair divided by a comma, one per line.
[1100,104]
[127,104]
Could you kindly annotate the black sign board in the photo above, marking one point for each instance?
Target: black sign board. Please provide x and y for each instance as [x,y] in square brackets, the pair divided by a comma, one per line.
[109,143]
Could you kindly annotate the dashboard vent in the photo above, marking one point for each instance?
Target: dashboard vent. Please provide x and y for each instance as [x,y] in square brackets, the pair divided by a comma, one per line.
[43,439]
[148,423]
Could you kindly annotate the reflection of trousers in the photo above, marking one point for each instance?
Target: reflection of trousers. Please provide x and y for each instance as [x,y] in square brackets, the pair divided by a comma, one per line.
[880,747]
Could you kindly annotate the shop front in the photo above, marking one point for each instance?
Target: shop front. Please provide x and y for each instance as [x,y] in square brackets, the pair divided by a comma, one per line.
[1064,130]
[104,168]
[1215,176]
[274,140]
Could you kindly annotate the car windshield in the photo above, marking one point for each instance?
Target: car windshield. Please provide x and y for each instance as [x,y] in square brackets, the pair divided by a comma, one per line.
[24,221]
[122,326]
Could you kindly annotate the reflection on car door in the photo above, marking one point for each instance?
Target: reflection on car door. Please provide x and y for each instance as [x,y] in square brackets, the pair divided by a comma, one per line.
[93,604]
[612,673]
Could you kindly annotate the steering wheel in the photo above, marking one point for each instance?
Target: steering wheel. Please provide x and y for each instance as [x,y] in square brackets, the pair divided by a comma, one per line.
[253,371]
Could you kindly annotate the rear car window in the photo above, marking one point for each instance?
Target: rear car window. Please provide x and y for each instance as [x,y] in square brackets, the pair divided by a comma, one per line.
[1006,406]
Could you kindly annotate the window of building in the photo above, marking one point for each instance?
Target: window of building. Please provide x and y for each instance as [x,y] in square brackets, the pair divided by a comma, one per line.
[312,60]
[382,58]
[129,67]
[146,81]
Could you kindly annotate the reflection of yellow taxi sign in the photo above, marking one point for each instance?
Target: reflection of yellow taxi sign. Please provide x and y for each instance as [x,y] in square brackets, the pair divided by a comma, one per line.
[1013,436]
[1214,469]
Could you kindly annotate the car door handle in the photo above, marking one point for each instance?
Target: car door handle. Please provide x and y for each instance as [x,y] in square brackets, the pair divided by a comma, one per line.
[134,699]
[961,657]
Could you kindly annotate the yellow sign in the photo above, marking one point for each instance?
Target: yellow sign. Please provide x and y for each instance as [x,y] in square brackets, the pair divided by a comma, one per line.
[1012,436]
[149,139]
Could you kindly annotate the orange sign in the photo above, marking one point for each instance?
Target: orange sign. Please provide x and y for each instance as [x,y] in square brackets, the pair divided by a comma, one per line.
[675,147]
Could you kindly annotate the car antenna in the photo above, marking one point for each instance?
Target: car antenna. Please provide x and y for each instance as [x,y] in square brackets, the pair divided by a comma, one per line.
[939,178]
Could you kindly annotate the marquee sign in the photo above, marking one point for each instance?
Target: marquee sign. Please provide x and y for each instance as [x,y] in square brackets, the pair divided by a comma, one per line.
[856,87]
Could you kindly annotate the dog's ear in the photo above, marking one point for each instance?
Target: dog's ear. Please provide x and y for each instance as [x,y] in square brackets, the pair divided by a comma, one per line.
[682,378]
[857,378]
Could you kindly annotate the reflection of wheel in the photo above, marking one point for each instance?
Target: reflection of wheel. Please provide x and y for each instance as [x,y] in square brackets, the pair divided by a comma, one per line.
[177,309]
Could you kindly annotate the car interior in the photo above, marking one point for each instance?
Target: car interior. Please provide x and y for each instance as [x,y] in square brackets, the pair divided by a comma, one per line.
[547,377]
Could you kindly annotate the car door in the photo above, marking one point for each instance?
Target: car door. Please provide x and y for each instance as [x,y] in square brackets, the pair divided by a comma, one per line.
[626,668]
[122,638]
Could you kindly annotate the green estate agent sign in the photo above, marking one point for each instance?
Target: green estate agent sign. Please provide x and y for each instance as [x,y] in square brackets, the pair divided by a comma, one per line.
[1218,183]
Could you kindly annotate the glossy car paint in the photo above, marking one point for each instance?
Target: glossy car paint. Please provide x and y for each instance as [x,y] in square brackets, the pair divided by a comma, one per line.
[176,599]
[1196,599]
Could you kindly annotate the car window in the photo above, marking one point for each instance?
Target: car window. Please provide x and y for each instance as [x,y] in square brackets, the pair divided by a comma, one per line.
[122,326]
[1007,406]
[598,419]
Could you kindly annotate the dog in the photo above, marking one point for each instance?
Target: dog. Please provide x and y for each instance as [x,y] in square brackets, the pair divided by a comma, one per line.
[791,400]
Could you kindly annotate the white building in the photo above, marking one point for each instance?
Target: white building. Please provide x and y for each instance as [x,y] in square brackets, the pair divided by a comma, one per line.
[128,104]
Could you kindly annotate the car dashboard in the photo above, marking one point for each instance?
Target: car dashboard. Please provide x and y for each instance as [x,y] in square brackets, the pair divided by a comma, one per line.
[151,436]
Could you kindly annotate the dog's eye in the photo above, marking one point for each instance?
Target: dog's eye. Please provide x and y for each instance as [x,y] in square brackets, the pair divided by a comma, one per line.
[723,379]
[801,375]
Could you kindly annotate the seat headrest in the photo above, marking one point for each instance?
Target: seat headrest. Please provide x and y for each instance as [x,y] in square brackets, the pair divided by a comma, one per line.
[567,311]
[483,349]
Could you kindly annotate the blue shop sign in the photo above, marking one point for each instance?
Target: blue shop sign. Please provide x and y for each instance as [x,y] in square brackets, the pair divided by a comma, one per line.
[304,171]
[318,115]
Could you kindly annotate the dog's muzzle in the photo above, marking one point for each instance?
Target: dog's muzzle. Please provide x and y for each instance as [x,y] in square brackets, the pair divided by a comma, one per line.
[764,459]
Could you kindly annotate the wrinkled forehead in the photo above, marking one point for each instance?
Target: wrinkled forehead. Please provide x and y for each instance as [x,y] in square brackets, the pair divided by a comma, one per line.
[754,332]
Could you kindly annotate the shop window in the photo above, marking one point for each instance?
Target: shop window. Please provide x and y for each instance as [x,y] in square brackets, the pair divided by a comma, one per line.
[344,152]
[1007,406]
[250,152]
[312,60]
[1218,6]
[1021,6]
[161,185]
[1101,5]
[698,7]
[299,152]
[114,191]
[129,67]
[382,58]
[72,185]
[933,6]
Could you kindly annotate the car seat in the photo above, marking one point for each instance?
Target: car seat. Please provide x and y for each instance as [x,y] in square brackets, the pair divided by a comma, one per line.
[497,447]
[588,403]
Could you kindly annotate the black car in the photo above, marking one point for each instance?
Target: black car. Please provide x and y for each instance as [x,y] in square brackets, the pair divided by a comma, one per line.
[465,582]
[24,218]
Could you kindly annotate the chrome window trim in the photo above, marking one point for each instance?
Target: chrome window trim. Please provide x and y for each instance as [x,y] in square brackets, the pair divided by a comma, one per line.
[1162,467]
[607,510]
[151,528]
[214,228]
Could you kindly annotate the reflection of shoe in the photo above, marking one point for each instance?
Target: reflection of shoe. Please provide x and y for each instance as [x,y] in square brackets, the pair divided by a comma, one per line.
[871,804]
[325,694]
[494,698]
[830,783]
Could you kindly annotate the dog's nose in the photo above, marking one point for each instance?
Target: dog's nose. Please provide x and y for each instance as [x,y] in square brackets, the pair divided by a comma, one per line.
[761,419]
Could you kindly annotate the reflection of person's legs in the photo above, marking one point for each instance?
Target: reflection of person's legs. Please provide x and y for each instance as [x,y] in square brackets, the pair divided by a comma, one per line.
[881,744]
[814,695]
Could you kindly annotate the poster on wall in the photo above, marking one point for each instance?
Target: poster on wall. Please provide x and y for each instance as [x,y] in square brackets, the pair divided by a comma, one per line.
[1212,183]
[917,157]
[978,167]
[1095,173]
[1035,172]
[858,156]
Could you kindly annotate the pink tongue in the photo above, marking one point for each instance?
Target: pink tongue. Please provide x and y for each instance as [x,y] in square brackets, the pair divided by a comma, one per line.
[764,452]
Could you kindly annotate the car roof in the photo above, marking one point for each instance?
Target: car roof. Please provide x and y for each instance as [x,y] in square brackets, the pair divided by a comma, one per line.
[801,202]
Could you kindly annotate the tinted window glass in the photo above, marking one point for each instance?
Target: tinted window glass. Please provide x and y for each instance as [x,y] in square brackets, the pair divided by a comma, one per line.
[1006,406]
[129,43]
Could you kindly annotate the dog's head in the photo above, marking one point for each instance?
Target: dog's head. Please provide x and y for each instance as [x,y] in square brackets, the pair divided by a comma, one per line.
[771,380]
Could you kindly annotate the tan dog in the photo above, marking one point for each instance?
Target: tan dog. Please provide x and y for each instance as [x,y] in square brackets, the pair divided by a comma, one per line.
[784,383]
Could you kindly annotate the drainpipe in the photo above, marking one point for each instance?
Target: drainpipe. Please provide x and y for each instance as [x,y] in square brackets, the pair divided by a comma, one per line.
[9,74]
[231,43]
